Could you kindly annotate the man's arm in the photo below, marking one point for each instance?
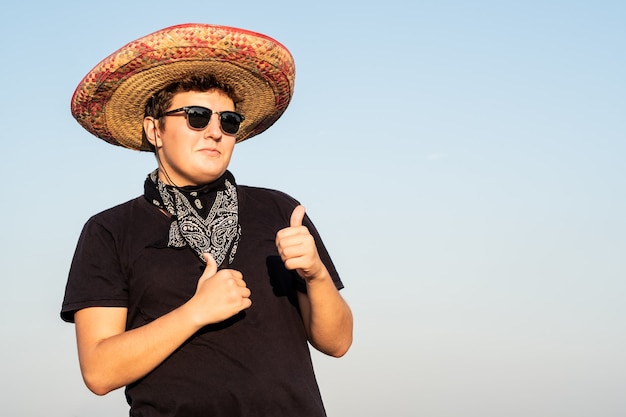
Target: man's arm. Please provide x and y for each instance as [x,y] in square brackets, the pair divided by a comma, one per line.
[327,317]
[111,357]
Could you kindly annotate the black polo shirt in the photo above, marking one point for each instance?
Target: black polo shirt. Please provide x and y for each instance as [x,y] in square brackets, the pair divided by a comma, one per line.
[254,364]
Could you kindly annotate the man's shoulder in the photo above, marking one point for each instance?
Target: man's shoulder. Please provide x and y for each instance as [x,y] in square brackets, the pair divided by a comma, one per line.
[261,193]
[123,212]
[122,207]
[265,203]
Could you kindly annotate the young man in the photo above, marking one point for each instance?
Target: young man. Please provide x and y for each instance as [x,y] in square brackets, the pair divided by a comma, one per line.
[200,295]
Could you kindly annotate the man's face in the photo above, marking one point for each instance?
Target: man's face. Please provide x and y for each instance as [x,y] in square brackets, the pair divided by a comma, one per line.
[193,156]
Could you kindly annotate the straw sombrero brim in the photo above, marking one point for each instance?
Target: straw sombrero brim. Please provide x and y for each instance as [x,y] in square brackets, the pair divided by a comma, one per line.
[110,100]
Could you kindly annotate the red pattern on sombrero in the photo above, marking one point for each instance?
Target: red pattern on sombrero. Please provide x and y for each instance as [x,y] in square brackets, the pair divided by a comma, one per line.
[110,100]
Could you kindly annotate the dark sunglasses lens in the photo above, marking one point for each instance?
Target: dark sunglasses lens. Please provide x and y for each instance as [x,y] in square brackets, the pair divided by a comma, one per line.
[230,121]
[198,117]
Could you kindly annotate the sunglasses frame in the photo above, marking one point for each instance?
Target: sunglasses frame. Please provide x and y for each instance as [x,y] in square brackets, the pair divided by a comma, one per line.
[221,114]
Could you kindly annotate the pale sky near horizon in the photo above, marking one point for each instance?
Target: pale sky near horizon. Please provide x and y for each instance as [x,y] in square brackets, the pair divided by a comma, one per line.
[463,161]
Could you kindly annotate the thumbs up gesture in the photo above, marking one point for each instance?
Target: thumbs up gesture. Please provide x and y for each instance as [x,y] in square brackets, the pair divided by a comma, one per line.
[297,249]
[220,294]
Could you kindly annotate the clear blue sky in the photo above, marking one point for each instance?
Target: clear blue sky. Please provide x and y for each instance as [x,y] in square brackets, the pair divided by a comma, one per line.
[464,162]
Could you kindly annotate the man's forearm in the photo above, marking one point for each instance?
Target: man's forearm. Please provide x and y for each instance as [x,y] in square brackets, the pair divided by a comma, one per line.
[327,317]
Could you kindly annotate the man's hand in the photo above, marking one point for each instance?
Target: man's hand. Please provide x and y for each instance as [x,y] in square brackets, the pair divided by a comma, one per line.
[219,295]
[297,249]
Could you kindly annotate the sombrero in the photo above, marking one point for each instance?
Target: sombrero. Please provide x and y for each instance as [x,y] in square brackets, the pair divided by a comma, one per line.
[110,100]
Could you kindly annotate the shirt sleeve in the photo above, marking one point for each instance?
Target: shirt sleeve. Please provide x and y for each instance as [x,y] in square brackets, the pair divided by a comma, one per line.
[96,278]
[323,253]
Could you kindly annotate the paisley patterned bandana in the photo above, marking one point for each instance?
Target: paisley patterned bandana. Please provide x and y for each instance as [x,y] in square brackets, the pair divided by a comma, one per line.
[205,218]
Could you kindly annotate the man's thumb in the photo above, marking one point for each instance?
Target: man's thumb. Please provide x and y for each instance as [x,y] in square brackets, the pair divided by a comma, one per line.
[211,265]
[297,216]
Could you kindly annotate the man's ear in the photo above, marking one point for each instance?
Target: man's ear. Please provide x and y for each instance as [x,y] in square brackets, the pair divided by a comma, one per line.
[152,133]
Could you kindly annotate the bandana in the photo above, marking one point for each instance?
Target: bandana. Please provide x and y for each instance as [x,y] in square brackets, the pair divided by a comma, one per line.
[206,218]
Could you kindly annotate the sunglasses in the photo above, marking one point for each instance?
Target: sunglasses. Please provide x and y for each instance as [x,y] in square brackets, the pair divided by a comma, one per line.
[199,117]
